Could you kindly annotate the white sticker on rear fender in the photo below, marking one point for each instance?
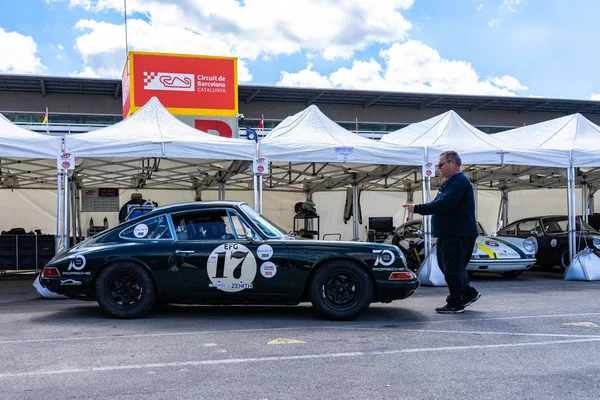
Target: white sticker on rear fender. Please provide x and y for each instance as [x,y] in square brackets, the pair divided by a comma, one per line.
[384,257]
[553,242]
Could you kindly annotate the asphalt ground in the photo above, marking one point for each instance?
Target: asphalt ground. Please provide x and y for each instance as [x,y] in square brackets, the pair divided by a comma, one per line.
[534,337]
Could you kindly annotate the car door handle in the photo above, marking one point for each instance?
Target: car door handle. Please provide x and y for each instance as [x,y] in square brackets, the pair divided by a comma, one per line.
[184,252]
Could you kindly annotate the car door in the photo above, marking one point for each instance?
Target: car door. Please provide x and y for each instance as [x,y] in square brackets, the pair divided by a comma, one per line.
[217,262]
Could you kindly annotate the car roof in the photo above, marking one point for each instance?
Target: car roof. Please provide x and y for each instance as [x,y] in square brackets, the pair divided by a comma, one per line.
[195,205]
[540,217]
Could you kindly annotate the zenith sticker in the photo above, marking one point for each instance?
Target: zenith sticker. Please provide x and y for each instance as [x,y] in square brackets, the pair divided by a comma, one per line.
[140,230]
[70,282]
[264,252]
[553,242]
[268,269]
[77,264]
[384,257]
[231,267]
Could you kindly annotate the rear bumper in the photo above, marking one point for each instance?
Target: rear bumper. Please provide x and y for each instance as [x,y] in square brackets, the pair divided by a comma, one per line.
[80,287]
[386,290]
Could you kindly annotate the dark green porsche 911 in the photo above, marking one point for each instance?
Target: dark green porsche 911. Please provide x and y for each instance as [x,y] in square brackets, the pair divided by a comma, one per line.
[224,252]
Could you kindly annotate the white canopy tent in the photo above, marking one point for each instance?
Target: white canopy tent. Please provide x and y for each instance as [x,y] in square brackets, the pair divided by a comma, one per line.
[17,142]
[152,148]
[310,137]
[572,136]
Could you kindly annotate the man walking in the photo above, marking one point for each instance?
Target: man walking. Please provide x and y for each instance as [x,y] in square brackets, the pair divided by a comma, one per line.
[455,227]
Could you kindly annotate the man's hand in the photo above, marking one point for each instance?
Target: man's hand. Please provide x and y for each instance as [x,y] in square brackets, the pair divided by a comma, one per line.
[409,207]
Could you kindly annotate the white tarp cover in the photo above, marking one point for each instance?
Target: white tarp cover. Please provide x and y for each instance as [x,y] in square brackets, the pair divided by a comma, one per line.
[18,142]
[153,132]
[310,136]
[448,131]
[560,136]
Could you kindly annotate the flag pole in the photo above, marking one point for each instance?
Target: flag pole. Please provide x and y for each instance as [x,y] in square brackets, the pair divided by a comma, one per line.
[125,15]
[357,125]
[47,122]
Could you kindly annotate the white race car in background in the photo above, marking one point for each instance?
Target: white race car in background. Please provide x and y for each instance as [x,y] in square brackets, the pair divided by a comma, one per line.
[508,256]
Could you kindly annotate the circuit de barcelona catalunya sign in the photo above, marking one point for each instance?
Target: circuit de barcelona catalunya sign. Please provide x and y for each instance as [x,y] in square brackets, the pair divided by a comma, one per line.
[185,84]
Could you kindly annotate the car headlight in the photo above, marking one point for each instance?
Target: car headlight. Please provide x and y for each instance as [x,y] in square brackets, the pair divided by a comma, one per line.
[597,243]
[528,246]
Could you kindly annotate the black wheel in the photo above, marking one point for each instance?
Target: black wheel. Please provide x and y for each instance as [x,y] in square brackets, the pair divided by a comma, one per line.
[340,290]
[511,274]
[125,290]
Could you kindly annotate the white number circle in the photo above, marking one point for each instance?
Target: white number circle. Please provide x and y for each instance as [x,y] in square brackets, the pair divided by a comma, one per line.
[231,267]
[140,230]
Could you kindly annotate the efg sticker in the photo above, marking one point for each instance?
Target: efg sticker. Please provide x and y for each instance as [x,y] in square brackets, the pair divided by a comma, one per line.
[140,230]
[77,264]
[268,269]
[264,252]
[231,267]
[553,242]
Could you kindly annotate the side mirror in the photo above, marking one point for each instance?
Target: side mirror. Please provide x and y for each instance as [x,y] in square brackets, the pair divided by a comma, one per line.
[248,235]
[419,232]
[493,234]
[535,233]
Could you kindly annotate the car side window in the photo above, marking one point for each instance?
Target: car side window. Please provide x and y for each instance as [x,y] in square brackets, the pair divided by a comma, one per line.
[149,229]
[526,227]
[510,230]
[210,224]
[240,226]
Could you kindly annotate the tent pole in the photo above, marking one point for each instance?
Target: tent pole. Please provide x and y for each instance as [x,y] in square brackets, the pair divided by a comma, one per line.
[426,195]
[73,210]
[591,201]
[66,211]
[408,216]
[221,191]
[260,193]
[355,218]
[255,190]
[476,197]
[58,237]
[571,206]
[584,201]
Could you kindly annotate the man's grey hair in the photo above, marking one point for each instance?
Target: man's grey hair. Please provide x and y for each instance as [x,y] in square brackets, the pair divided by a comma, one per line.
[451,155]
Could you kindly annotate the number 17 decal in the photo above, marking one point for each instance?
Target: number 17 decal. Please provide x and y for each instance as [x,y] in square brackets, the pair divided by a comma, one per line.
[231,267]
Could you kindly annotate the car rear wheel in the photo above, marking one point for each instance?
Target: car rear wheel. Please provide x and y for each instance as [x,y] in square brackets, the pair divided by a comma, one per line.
[125,290]
[511,274]
[564,258]
[340,290]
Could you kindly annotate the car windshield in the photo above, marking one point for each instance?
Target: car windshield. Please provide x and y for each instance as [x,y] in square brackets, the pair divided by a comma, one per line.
[560,225]
[269,228]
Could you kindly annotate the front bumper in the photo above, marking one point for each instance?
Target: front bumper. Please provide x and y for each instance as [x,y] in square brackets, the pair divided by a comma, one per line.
[495,265]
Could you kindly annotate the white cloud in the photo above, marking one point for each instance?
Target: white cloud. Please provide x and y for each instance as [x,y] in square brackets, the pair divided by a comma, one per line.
[595,96]
[480,7]
[412,67]
[510,5]
[86,72]
[19,54]
[248,30]
[307,77]
[509,82]
[495,22]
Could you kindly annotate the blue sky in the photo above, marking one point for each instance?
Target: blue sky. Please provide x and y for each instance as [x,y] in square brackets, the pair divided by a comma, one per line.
[496,47]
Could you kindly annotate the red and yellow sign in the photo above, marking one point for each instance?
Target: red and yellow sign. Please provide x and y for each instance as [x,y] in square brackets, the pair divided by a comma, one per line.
[184,84]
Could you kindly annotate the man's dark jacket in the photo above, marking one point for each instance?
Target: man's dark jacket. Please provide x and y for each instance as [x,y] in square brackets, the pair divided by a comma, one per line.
[453,209]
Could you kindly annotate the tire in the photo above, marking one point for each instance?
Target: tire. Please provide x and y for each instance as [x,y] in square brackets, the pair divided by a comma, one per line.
[340,290]
[511,274]
[125,290]
[563,261]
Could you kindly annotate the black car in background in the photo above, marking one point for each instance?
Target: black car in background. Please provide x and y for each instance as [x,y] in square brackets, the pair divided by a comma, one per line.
[224,252]
[552,235]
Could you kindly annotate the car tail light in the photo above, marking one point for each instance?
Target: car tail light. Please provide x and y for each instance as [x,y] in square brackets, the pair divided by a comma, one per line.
[50,272]
[400,275]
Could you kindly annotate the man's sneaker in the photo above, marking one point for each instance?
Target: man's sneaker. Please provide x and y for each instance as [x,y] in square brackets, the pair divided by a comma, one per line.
[473,299]
[449,309]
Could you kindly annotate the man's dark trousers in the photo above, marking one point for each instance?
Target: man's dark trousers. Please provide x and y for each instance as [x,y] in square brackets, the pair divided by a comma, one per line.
[453,254]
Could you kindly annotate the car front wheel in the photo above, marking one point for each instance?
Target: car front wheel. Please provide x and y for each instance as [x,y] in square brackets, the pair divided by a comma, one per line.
[340,290]
[125,290]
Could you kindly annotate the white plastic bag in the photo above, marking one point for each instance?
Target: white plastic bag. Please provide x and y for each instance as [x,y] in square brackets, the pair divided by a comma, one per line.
[429,272]
[45,293]
[585,267]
